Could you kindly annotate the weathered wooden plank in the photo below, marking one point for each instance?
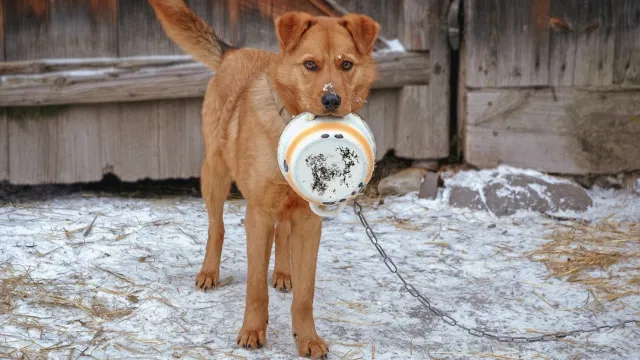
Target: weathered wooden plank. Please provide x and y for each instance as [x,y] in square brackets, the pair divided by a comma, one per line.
[140,32]
[250,23]
[129,142]
[427,137]
[461,108]
[595,45]
[139,152]
[386,12]
[4,126]
[379,112]
[180,144]
[507,45]
[563,22]
[59,29]
[627,57]
[423,116]
[32,160]
[56,144]
[121,80]
[4,146]
[1,30]
[415,24]
[387,15]
[568,130]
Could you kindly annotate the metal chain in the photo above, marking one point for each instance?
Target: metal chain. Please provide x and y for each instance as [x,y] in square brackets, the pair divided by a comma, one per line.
[357,208]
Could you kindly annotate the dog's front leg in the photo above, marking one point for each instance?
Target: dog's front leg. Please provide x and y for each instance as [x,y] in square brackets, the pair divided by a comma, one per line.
[281,278]
[259,226]
[304,243]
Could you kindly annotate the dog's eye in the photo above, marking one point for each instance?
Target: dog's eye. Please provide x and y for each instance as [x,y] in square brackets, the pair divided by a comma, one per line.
[310,65]
[347,65]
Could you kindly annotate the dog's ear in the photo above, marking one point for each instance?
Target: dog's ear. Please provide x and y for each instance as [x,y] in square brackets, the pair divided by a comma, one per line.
[363,29]
[290,27]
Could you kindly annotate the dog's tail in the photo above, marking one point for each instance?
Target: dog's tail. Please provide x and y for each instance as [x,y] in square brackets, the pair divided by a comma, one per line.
[192,34]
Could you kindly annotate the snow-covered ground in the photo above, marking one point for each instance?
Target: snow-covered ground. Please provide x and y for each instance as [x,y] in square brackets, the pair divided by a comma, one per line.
[123,288]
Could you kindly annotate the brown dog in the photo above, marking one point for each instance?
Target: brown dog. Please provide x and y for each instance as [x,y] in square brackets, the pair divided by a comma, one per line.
[324,67]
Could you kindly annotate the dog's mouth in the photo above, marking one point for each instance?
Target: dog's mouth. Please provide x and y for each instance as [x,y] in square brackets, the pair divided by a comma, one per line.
[334,113]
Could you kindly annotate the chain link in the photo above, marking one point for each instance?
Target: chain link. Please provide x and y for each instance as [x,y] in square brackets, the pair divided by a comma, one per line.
[357,208]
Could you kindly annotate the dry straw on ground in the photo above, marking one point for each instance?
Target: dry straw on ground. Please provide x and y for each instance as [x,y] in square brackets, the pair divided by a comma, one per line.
[18,287]
[603,256]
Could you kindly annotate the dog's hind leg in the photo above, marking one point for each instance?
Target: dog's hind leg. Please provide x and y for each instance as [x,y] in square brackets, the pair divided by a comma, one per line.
[281,278]
[215,183]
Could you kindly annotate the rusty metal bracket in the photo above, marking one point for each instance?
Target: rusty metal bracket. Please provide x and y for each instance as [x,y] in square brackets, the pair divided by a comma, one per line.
[453,24]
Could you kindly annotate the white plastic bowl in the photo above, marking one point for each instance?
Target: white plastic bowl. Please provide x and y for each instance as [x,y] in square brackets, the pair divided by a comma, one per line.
[327,160]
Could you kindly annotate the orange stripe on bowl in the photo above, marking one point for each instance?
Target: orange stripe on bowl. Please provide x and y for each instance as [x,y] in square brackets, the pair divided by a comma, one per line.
[333,127]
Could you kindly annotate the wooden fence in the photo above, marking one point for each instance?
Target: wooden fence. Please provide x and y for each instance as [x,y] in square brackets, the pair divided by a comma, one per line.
[552,85]
[89,87]
[95,87]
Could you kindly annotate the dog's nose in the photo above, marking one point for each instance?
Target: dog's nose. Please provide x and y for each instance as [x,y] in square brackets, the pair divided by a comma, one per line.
[331,101]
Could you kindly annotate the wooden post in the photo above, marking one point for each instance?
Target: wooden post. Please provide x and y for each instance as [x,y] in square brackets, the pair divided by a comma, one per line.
[4,127]
[423,111]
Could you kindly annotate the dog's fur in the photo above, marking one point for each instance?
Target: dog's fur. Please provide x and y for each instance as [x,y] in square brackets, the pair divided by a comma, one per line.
[241,126]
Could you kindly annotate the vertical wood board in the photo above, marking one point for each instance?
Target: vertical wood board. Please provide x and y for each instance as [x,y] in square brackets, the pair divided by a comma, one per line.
[507,45]
[1,30]
[157,138]
[423,116]
[386,12]
[563,41]
[32,146]
[53,144]
[380,112]
[180,144]
[627,56]
[250,23]
[595,46]
[4,126]
[59,29]
[129,143]
[415,24]
[4,146]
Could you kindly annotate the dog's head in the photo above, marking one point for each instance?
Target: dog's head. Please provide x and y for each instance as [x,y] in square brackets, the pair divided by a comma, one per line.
[325,64]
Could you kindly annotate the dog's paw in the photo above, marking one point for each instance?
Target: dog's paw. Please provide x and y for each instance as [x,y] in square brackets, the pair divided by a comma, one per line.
[312,347]
[281,281]
[252,339]
[208,280]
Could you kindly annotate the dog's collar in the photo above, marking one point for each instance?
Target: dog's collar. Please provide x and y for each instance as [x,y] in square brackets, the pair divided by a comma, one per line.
[282,110]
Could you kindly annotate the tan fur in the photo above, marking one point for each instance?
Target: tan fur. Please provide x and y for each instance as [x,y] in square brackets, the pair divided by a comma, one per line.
[190,32]
[241,127]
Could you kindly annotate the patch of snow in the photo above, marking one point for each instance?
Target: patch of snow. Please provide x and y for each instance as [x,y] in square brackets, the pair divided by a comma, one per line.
[477,180]
[329,87]
[394,46]
[129,283]
[542,191]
